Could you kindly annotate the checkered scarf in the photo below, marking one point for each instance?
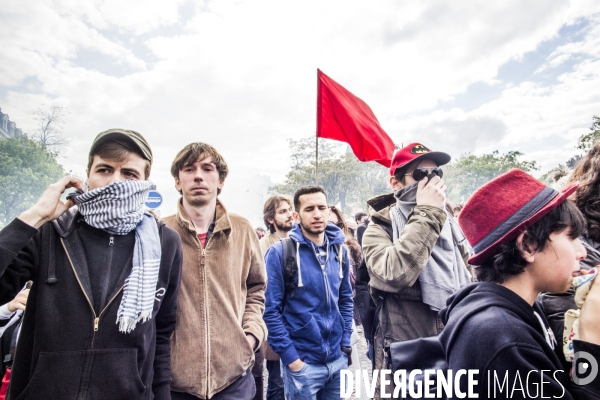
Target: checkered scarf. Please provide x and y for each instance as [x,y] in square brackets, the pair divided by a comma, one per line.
[118,209]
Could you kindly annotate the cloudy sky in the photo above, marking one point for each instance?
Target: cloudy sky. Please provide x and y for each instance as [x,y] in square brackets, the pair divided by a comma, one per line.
[460,76]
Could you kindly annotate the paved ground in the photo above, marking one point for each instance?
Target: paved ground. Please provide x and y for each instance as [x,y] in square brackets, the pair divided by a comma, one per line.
[363,362]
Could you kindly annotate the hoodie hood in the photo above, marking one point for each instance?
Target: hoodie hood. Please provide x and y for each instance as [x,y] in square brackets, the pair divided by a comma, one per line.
[67,222]
[478,297]
[334,234]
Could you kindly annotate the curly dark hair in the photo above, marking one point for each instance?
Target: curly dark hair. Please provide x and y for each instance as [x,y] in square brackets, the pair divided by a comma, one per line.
[587,173]
[509,261]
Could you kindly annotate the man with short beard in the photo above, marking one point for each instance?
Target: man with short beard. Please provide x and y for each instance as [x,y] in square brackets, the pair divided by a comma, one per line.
[221,302]
[277,215]
[309,307]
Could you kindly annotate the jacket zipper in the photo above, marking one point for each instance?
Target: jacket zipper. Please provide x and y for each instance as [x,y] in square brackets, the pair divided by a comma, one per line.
[326,282]
[206,337]
[104,309]
[96,320]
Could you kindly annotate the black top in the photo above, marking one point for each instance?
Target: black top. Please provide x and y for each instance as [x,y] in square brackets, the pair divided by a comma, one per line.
[109,261]
[67,348]
[360,231]
[491,329]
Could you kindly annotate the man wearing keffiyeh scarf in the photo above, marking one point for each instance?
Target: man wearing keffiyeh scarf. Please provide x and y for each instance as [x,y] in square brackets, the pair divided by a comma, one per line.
[106,276]
[119,209]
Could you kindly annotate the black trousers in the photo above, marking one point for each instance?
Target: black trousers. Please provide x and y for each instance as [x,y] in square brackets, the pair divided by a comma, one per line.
[257,373]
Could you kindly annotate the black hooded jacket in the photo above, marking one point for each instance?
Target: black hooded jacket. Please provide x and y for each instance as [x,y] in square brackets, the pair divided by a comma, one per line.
[70,346]
[491,329]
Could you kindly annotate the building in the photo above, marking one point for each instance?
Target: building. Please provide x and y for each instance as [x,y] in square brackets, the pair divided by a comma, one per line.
[8,128]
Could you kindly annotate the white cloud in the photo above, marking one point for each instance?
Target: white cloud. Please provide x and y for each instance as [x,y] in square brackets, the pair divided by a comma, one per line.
[241,75]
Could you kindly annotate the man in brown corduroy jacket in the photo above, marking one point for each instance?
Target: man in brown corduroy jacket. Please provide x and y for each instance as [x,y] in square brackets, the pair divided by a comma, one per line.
[221,299]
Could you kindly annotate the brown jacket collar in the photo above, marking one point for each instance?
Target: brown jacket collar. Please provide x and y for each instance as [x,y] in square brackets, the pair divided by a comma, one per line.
[222,222]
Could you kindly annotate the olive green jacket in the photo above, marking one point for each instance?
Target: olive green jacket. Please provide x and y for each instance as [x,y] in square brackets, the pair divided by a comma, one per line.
[394,268]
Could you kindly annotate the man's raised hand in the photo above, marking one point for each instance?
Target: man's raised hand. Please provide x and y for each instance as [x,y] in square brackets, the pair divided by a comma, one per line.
[50,206]
[431,193]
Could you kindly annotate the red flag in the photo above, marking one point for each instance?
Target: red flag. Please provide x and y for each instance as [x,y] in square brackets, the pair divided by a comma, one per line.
[343,116]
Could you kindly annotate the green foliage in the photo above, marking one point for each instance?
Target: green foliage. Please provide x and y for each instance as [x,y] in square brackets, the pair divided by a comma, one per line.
[469,172]
[303,151]
[588,140]
[572,162]
[26,169]
[338,174]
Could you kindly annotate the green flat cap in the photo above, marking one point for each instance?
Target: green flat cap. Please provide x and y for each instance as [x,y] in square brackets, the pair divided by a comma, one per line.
[125,137]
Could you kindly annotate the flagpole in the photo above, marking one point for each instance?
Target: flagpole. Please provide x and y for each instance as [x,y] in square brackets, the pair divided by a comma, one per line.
[317,160]
[318,128]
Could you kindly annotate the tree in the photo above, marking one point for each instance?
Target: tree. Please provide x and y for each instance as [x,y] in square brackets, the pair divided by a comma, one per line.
[469,172]
[26,169]
[49,124]
[303,151]
[572,162]
[588,140]
[340,174]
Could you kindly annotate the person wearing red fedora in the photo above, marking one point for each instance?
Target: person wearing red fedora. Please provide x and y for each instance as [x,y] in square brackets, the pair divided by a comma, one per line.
[415,253]
[525,238]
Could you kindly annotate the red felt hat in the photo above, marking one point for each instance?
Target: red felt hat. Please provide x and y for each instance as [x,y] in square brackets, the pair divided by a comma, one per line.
[415,151]
[503,208]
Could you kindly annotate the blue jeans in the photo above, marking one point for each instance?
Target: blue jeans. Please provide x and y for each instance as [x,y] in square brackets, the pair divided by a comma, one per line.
[314,381]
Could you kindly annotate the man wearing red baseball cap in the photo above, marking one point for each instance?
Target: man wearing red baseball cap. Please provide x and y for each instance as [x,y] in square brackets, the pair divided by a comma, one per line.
[525,238]
[414,251]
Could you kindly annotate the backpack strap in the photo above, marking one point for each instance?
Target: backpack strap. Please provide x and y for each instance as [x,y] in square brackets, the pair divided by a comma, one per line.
[290,266]
[49,234]
[9,337]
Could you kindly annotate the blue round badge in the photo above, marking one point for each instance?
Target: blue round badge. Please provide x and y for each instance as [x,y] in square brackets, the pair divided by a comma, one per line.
[154,200]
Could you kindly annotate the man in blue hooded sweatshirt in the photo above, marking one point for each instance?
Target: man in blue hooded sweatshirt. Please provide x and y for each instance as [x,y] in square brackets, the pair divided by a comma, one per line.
[308,309]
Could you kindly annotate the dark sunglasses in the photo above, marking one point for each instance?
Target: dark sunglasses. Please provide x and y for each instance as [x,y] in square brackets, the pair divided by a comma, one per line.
[339,225]
[420,173]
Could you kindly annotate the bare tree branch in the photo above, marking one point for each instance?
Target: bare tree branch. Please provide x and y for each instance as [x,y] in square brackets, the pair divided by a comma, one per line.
[49,125]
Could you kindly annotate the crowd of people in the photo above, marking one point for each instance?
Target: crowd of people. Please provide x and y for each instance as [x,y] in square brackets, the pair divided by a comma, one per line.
[120,304]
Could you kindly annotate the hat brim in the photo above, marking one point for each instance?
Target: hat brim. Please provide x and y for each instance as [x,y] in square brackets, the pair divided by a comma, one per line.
[439,157]
[488,252]
[125,139]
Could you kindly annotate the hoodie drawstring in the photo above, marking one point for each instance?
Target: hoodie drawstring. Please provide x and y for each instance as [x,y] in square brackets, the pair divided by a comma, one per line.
[298,262]
[547,331]
[341,258]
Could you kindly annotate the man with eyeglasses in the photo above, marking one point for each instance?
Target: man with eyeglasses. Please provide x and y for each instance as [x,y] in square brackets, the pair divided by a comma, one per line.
[415,253]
